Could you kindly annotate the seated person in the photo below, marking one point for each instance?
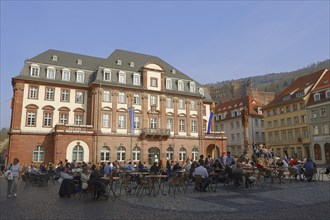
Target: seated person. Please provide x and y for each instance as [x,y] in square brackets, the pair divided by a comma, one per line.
[95,178]
[64,175]
[309,169]
[238,174]
[84,177]
[201,171]
[154,169]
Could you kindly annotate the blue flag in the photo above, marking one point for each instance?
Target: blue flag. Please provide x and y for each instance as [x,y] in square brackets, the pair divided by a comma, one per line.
[131,118]
[210,122]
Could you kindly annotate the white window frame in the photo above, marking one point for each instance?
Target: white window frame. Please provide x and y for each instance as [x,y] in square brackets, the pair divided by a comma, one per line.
[33,93]
[80,76]
[169,124]
[136,79]
[192,86]
[169,153]
[317,97]
[31,119]
[181,104]
[79,97]
[122,77]
[193,126]
[327,94]
[65,95]
[121,121]
[122,98]
[136,153]
[182,154]
[49,94]
[169,102]
[194,154]
[106,120]
[136,122]
[193,105]
[106,96]
[136,99]
[182,125]
[153,100]
[48,119]
[38,154]
[323,112]
[66,75]
[107,75]
[78,153]
[34,70]
[51,72]
[313,113]
[78,119]
[121,154]
[169,84]
[105,153]
[153,124]
[180,85]
[64,118]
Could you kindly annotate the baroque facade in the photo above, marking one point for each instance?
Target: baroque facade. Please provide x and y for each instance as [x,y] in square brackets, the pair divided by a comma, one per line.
[129,106]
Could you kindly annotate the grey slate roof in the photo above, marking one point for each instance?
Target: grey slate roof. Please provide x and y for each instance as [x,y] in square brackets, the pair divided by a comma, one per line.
[93,68]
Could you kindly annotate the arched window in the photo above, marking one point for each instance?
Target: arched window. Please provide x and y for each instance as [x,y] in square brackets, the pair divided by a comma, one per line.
[194,155]
[38,154]
[121,153]
[78,153]
[182,154]
[105,153]
[317,152]
[169,153]
[136,153]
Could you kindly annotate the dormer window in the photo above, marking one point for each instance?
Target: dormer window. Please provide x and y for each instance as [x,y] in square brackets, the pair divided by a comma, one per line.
[107,75]
[300,94]
[169,84]
[173,71]
[327,94]
[131,64]
[79,62]
[51,72]
[287,98]
[118,62]
[317,97]
[34,70]
[80,76]
[66,75]
[201,91]
[192,87]
[180,85]
[121,77]
[54,58]
[136,79]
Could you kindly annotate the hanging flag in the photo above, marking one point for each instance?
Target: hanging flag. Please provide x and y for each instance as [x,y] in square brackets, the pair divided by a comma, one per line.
[131,118]
[210,122]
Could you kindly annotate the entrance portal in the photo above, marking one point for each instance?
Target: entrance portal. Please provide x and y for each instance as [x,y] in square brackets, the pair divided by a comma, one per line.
[153,155]
[213,150]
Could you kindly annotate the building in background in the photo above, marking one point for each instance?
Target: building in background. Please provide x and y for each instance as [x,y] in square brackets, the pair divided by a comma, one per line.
[228,118]
[318,119]
[286,117]
[128,106]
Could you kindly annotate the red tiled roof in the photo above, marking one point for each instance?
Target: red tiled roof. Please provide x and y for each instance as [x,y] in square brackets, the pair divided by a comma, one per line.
[321,88]
[237,104]
[299,85]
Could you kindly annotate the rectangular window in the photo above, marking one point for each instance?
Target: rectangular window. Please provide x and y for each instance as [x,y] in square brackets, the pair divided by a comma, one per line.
[270,136]
[31,119]
[289,121]
[276,136]
[106,96]
[282,122]
[290,135]
[288,109]
[297,133]
[232,125]
[268,113]
[79,97]
[274,111]
[182,125]
[313,113]
[122,78]
[257,136]
[47,119]
[305,133]
[136,79]
[269,124]
[78,119]
[65,75]
[153,100]
[295,120]
[275,123]
[181,104]
[122,98]
[302,106]
[180,86]
[51,73]
[325,129]
[35,71]
[169,84]
[170,124]
[303,118]
[194,126]
[106,121]
[153,82]
[294,106]
[49,94]
[169,102]
[33,92]
[237,124]
[315,130]
[232,137]
[63,119]
[121,121]
[153,123]
[136,99]
[283,134]
[256,122]
[193,106]
[323,112]
[65,95]
[107,76]
[80,77]
[281,110]
[238,136]
[136,122]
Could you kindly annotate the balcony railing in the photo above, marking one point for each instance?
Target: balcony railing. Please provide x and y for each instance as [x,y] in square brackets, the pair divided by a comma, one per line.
[74,128]
[148,133]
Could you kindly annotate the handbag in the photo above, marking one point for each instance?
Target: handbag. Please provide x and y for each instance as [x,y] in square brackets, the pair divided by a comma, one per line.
[9,175]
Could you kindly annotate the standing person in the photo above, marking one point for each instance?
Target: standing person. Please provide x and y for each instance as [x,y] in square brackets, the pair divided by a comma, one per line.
[13,184]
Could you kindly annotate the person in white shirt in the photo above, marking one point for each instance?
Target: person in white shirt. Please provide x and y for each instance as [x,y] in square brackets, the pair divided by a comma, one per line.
[202,171]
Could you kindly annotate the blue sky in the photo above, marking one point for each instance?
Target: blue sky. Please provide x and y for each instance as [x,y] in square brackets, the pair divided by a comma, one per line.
[207,40]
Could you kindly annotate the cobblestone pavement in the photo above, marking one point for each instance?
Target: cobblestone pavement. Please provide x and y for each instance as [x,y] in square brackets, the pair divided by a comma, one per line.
[297,200]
